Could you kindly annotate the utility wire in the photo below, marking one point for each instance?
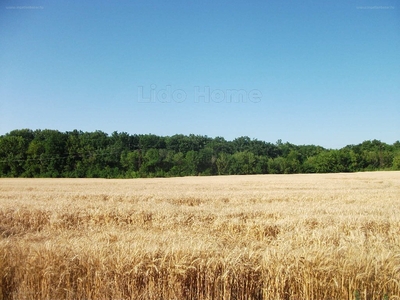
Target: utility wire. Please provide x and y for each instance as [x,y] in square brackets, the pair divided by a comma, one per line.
[88,154]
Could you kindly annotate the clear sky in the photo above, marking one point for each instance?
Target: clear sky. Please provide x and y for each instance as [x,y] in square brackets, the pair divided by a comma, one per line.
[307,72]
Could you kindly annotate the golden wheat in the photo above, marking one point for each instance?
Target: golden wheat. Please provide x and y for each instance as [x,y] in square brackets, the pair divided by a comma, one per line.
[330,236]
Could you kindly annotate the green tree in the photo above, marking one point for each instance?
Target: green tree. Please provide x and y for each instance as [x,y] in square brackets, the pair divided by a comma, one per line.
[206,162]
[50,153]
[36,159]
[277,165]
[151,162]
[130,162]
[292,162]
[151,141]
[262,164]
[243,163]
[46,154]
[241,144]
[178,165]
[329,162]
[192,163]
[222,163]
[12,155]
[396,161]
[91,149]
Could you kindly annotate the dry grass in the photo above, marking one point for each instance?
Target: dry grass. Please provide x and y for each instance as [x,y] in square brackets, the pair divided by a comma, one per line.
[333,236]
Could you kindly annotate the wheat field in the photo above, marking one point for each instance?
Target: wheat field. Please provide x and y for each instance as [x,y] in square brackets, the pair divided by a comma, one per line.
[325,236]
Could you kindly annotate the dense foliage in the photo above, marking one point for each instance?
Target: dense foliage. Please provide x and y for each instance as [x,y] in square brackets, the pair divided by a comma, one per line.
[51,153]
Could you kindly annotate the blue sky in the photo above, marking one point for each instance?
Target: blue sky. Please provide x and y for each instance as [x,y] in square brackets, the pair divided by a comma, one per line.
[308,72]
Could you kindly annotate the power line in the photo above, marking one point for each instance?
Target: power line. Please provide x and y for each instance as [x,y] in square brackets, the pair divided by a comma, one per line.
[88,153]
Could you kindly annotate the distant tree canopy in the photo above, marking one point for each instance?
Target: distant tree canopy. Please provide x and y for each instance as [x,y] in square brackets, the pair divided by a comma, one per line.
[51,153]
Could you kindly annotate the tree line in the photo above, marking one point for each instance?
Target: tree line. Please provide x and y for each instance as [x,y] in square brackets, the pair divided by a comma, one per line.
[51,153]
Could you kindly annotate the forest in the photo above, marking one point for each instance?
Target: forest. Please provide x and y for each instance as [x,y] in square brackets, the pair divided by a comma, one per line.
[78,154]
